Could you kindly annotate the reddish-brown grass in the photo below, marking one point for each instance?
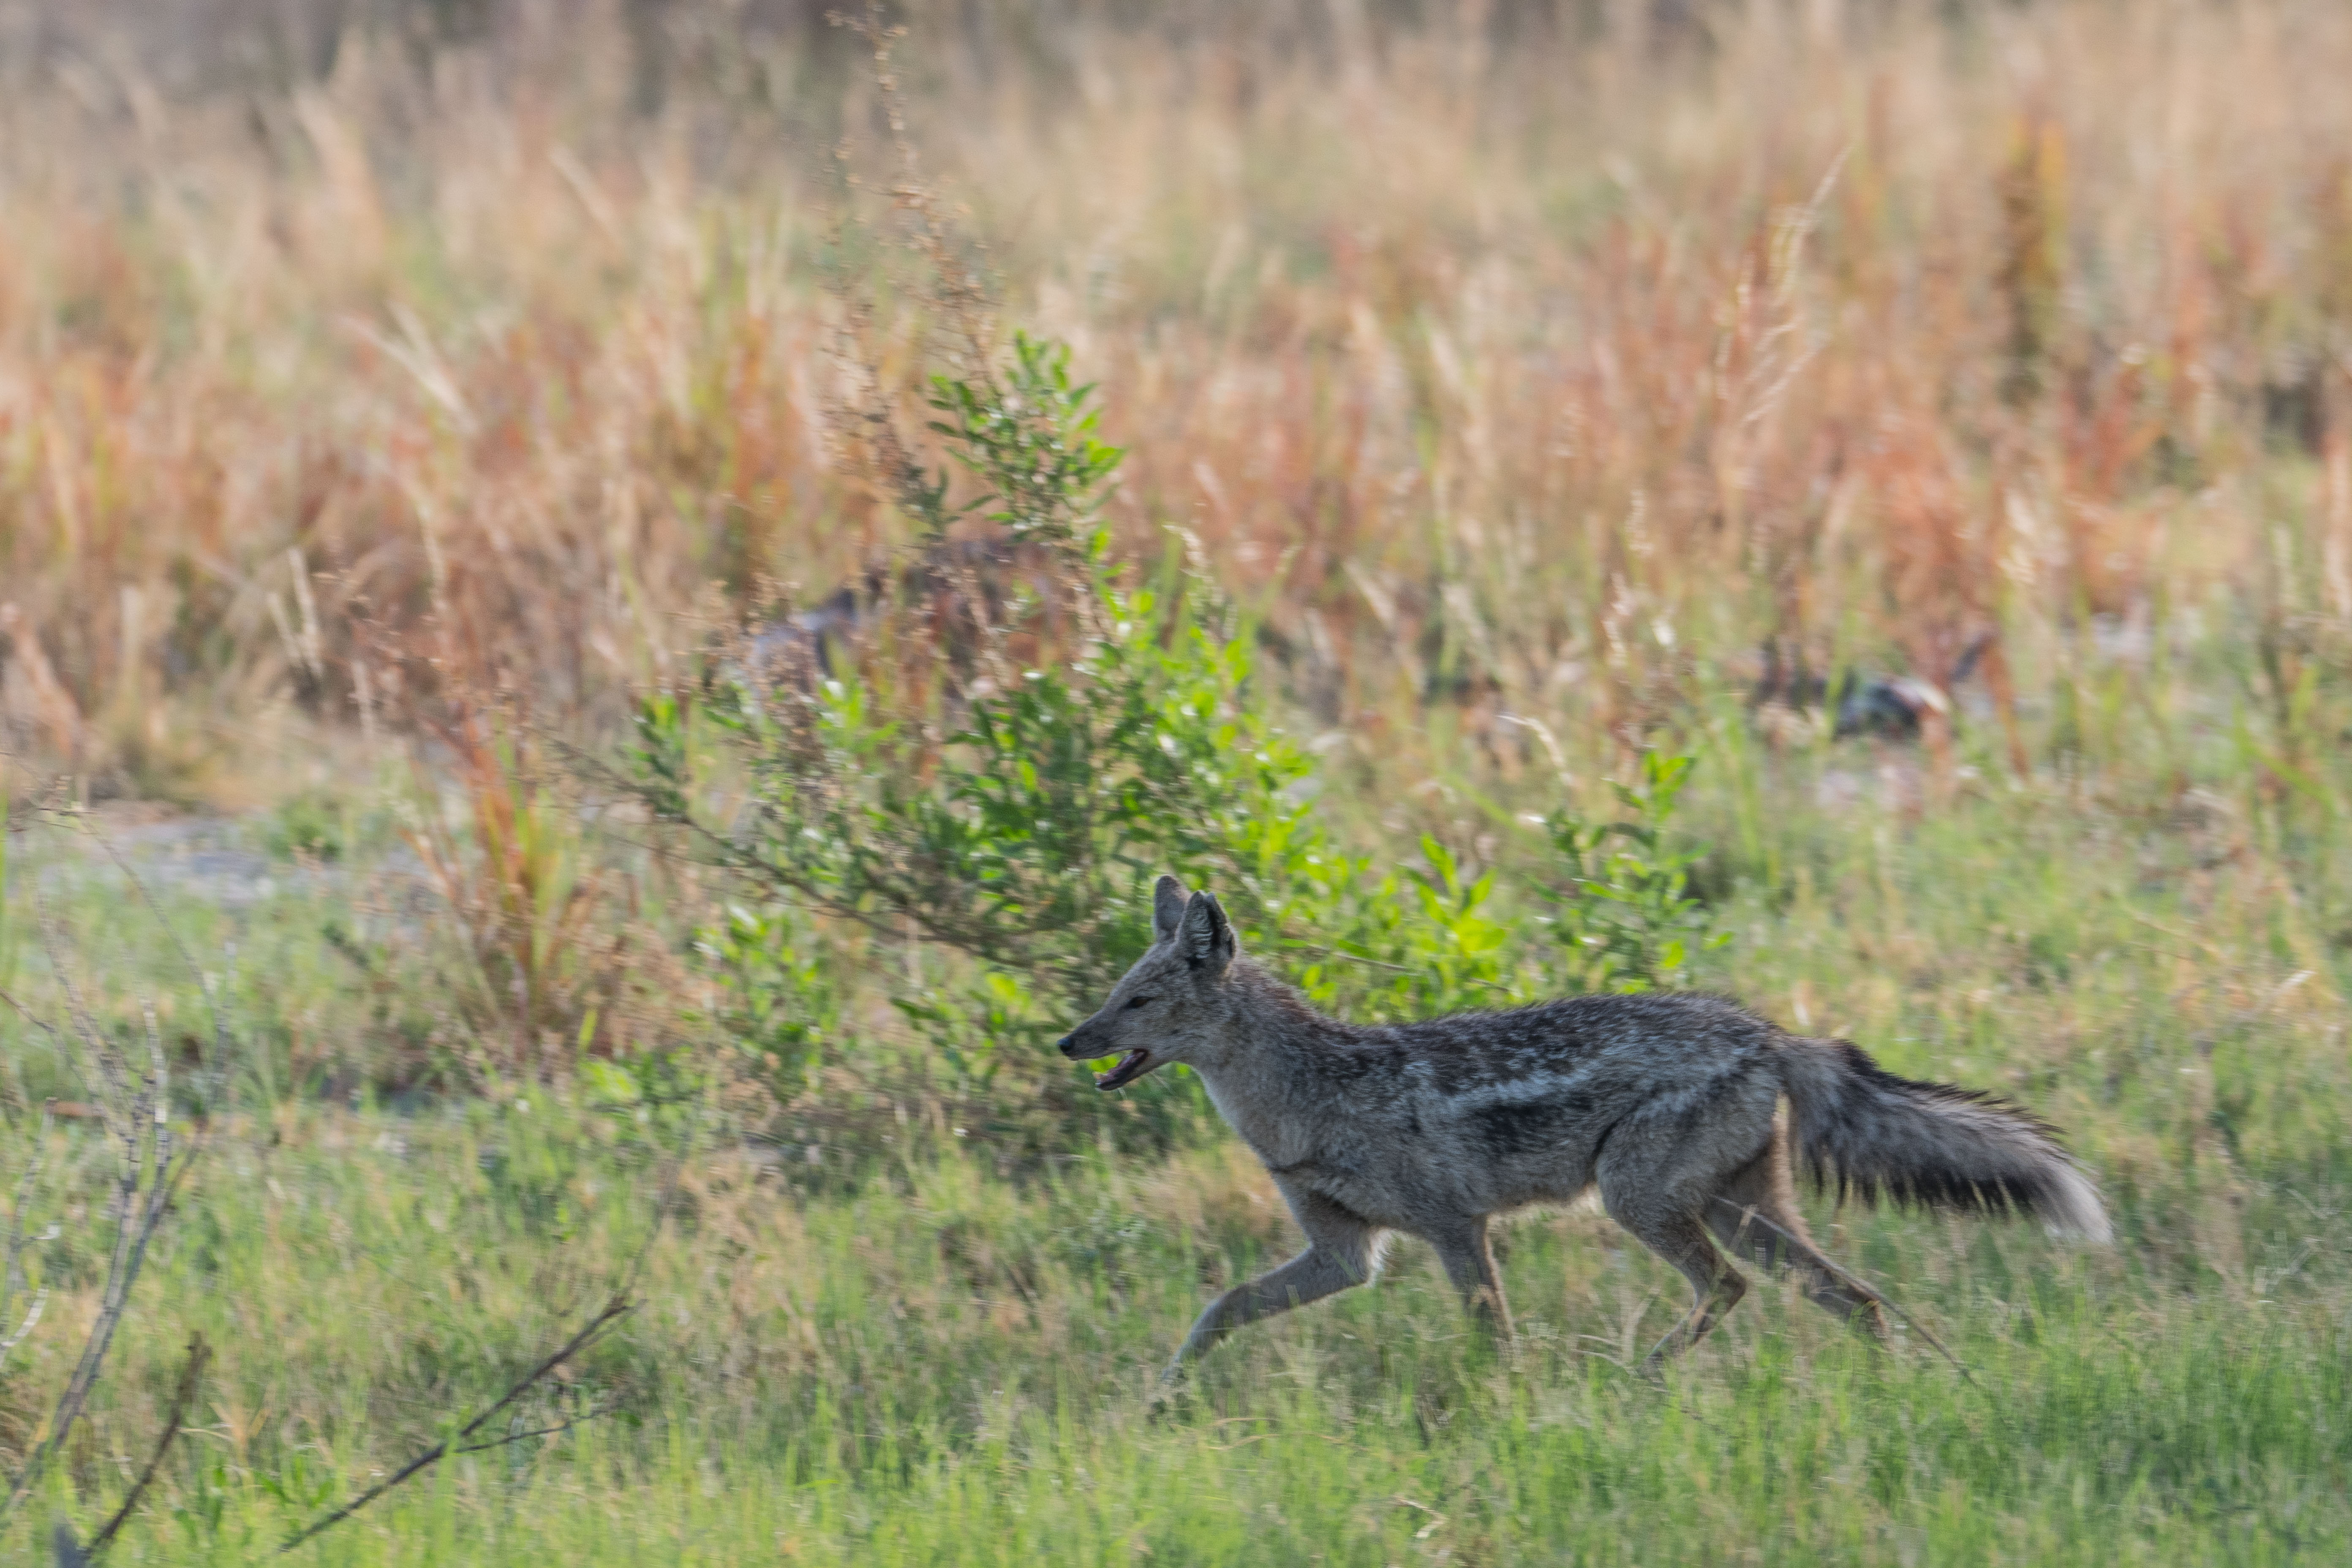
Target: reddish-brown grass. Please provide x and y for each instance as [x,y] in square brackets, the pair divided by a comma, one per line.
[1550,377]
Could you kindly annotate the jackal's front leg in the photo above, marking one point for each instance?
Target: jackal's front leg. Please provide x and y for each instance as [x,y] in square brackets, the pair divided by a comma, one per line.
[1318,1272]
[1340,1252]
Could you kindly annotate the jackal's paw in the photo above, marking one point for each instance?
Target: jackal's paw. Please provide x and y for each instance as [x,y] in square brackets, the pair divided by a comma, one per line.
[1875,1329]
[1170,1396]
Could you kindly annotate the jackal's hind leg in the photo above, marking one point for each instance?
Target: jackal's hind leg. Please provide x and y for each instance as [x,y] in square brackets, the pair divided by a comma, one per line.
[1468,1255]
[1716,1286]
[1755,1214]
[1652,1184]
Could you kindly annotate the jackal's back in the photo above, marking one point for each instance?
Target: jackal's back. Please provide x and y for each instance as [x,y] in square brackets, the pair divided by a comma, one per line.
[1488,1111]
[1658,1035]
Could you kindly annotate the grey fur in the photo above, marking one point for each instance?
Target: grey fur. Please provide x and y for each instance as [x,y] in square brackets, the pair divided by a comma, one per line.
[1667,1104]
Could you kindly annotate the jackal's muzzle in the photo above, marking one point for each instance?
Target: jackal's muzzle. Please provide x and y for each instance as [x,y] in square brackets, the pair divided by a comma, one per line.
[1132,1065]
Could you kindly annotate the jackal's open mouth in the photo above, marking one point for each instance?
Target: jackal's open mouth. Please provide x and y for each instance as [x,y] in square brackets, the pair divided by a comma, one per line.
[1133,1066]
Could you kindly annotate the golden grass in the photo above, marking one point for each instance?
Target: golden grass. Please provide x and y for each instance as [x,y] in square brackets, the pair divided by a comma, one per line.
[1540,376]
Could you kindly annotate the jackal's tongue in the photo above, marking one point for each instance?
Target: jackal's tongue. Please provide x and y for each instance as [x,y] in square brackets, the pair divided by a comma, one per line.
[1130,1067]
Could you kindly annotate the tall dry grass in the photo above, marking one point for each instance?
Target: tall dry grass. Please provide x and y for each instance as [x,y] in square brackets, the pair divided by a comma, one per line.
[1515,360]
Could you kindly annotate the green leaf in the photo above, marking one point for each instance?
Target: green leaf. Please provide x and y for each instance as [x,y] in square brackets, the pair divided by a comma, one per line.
[609,1081]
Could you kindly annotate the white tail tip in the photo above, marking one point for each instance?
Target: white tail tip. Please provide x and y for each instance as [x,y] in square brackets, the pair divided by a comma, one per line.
[2073,1209]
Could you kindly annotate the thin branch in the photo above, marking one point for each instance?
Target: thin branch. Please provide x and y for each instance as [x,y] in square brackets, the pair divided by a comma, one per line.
[581,1420]
[617,1307]
[8,1265]
[199,1354]
[622,1303]
[1833,1266]
[131,1256]
[34,1019]
[31,1321]
[98,1055]
[139,1210]
[138,1119]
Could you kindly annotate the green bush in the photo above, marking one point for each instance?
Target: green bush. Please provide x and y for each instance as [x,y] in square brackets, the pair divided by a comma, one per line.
[1006,828]
[780,995]
[1011,824]
[1623,917]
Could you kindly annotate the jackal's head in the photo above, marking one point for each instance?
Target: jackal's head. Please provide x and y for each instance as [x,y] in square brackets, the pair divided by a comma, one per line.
[1171,1007]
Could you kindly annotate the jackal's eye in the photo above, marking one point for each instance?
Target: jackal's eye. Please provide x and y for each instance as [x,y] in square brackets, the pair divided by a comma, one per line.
[1135,1001]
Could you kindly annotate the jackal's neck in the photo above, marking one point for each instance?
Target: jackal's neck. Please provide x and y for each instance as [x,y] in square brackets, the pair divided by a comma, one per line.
[1268,1010]
[1267,1082]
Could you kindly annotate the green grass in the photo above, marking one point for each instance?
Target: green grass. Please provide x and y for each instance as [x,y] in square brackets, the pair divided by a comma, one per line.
[903,1354]
[940,1369]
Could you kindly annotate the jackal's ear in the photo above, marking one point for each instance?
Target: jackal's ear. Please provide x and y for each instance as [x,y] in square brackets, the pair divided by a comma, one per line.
[1168,896]
[1207,937]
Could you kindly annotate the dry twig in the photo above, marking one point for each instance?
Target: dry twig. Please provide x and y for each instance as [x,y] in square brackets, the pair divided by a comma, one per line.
[619,1305]
[199,1355]
[150,1168]
[8,1265]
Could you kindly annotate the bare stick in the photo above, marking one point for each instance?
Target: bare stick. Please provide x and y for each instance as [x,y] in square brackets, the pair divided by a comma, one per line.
[31,1321]
[617,1307]
[8,1275]
[131,1253]
[34,1019]
[199,1354]
[138,1119]
[581,1420]
[621,1304]
[1846,1275]
[98,1055]
[143,1192]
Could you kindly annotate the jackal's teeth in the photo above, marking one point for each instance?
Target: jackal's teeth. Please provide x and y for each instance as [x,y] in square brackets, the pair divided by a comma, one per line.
[1130,1067]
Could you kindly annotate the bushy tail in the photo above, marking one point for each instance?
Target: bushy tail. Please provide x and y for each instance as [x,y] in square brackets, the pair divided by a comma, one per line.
[1874,1134]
